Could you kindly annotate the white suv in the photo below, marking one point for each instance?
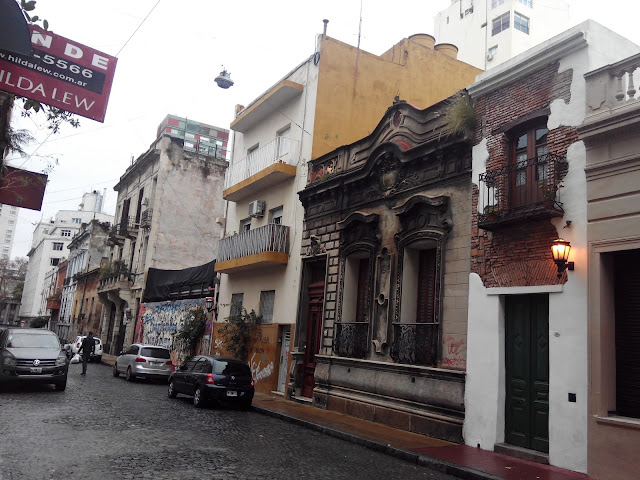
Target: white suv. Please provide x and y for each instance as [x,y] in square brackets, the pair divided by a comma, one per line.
[77,343]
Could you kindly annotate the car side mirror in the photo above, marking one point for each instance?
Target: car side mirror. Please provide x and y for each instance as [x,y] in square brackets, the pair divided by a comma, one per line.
[182,367]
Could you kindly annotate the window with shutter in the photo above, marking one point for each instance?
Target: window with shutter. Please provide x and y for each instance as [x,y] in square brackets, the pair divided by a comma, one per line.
[627,327]
[426,286]
[361,299]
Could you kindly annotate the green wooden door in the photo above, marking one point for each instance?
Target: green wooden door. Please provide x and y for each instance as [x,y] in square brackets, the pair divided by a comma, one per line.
[527,371]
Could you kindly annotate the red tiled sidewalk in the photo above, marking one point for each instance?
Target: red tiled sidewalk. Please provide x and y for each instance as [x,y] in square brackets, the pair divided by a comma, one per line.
[502,466]
[458,460]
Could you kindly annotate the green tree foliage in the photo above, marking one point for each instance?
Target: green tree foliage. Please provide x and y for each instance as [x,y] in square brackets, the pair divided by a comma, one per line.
[237,332]
[193,329]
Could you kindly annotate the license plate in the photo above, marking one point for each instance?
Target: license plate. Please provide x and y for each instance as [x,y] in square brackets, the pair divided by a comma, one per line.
[232,393]
[36,369]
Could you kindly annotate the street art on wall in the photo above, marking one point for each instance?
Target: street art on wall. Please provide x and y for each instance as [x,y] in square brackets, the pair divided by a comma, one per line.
[158,322]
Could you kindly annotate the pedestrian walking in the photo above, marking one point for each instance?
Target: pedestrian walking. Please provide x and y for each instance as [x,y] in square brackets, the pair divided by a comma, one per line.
[87,348]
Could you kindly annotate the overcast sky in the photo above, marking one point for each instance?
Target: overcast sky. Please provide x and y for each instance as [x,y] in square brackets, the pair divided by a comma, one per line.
[170,63]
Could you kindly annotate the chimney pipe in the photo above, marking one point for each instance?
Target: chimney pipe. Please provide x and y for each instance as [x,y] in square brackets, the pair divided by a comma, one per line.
[325,21]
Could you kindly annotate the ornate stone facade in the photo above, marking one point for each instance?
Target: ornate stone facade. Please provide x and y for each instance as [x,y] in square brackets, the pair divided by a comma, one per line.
[371,208]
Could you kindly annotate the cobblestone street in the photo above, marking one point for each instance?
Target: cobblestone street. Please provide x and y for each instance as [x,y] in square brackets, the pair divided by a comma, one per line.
[106,428]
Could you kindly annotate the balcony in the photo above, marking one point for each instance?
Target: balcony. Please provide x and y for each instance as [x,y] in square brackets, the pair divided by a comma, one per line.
[114,281]
[146,217]
[415,343]
[268,103]
[263,247]
[522,191]
[352,339]
[262,168]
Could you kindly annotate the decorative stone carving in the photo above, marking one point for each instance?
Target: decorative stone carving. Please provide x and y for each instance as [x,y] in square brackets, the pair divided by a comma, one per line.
[381,305]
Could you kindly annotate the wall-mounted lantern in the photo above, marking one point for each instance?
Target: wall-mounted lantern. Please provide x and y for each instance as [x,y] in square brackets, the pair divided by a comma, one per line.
[208,304]
[561,249]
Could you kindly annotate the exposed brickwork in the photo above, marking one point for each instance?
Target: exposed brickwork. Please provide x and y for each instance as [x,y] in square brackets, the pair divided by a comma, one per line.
[518,255]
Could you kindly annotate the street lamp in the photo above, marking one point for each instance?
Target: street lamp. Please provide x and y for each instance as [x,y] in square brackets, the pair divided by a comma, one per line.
[224,79]
[208,303]
[560,250]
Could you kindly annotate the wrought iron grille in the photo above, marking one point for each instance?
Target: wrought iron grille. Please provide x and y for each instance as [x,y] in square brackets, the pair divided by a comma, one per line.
[415,343]
[352,339]
[145,218]
[521,189]
[270,238]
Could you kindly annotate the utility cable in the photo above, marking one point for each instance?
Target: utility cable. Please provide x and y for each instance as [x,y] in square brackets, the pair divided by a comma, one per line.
[141,23]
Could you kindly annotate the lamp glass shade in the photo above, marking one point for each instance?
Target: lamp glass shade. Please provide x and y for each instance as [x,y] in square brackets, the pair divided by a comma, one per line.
[561,249]
[208,303]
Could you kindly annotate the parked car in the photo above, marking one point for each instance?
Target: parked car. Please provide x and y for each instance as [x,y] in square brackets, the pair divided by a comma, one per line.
[96,356]
[144,361]
[32,355]
[215,378]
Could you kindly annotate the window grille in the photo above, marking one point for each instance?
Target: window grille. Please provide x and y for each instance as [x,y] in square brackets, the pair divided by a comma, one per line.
[267,300]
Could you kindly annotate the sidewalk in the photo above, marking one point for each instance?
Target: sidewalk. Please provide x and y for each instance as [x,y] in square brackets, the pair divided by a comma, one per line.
[458,460]
[464,462]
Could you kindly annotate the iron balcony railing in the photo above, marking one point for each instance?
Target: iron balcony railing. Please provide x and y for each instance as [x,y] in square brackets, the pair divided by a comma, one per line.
[279,150]
[415,343]
[145,218]
[352,339]
[520,190]
[270,238]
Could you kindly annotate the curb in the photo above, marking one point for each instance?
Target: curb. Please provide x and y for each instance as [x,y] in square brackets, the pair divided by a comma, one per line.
[464,473]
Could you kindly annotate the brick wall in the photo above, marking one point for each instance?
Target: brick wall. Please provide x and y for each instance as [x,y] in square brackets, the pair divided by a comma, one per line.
[518,255]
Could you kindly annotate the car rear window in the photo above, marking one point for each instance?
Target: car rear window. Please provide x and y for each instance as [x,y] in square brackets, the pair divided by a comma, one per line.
[231,368]
[32,340]
[155,352]
[96,341]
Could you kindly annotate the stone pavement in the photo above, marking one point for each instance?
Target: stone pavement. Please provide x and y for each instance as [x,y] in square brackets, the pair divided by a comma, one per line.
[458,460]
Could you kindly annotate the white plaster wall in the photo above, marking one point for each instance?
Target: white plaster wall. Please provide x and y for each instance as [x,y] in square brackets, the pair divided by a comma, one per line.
[568,358]
[299,113]
[485,384]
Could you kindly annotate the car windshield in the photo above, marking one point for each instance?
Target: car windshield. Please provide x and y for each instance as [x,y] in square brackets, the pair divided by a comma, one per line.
[155,352]
[32,340]
[231,368]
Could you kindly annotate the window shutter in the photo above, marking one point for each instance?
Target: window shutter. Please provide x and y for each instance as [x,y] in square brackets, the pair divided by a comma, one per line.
[627,306]
[426,286]
[363,277]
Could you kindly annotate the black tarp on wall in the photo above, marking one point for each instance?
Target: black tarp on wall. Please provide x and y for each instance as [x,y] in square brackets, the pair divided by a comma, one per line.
[171,284]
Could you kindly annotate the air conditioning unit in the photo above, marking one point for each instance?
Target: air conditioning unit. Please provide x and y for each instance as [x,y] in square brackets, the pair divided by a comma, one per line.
[145,201]
[256,208]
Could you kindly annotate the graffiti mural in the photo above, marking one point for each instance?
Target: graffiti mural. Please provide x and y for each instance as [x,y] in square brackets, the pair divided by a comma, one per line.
[158,323]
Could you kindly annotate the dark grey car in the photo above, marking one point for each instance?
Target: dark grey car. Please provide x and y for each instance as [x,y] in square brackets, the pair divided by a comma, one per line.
[29,355]
[215,378]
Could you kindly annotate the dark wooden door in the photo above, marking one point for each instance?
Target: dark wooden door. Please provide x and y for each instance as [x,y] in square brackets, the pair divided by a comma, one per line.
[529,167]
[527,371]
[314,336]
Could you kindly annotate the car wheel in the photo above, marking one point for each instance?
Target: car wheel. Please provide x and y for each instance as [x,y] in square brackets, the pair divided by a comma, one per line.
[198,398]
[171,392]
[130,376]
[116,373]
[99,359]
[60,386]
[245,405]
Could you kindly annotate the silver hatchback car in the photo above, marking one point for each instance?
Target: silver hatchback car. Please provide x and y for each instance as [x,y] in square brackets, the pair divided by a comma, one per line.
[144,361]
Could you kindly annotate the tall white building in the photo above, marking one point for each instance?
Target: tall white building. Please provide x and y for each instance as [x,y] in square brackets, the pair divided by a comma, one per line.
[490,32]
[8,224]
[49,247]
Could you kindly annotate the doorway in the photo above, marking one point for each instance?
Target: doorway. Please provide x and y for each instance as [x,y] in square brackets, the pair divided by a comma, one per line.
[314,336]
[527,371]
[284,357]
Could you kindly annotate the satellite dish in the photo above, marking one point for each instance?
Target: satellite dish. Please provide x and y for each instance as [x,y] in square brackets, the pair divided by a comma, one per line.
[224,79]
